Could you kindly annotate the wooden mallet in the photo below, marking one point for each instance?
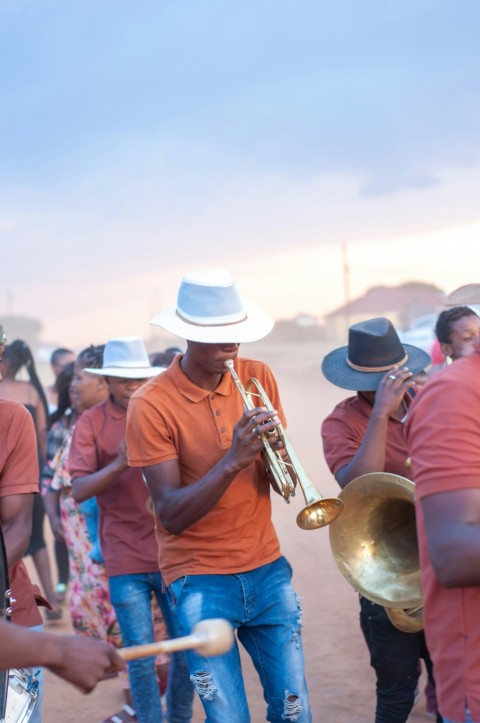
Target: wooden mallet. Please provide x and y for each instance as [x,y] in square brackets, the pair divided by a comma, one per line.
[208,637]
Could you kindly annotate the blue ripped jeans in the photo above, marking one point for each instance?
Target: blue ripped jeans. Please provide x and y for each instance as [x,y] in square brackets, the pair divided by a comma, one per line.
[265,611]
[131,596]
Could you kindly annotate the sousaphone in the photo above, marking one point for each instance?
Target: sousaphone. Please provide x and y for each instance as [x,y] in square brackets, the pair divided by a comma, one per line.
[374,543]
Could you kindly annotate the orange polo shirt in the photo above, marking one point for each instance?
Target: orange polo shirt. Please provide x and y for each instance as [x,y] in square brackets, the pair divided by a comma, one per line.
[18,476]
[169,418]
[443,438]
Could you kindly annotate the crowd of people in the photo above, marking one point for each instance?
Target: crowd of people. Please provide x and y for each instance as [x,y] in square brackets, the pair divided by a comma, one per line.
[132,495]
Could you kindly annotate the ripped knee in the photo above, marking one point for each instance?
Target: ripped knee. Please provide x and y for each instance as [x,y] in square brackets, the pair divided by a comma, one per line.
[292,706]
[203,683]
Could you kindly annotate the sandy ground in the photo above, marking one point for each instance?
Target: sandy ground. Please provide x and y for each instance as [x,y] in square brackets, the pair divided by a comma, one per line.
[340,679]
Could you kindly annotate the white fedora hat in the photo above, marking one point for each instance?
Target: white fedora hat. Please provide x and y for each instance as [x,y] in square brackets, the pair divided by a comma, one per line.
[127,358]
[209,310]
[464,295]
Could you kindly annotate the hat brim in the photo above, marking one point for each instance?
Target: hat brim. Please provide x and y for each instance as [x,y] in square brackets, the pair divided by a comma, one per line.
[127,373]
[255,326]
[464,295]
[337,371]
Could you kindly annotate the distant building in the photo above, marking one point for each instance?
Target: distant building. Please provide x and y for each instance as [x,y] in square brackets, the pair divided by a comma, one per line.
[401,304]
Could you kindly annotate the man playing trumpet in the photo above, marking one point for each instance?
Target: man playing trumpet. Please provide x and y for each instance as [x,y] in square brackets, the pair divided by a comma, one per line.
[218,550]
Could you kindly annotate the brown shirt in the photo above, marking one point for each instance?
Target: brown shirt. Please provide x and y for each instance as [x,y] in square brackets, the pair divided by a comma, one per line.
[171,418]
[19,475]
[127,534]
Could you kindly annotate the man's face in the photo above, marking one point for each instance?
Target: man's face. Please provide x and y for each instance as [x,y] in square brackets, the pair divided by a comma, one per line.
[464,337]
[122,389]
[211,358]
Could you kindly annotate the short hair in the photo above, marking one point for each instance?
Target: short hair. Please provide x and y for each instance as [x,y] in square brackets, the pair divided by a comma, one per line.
[445,321]
[164,358]
[57,353]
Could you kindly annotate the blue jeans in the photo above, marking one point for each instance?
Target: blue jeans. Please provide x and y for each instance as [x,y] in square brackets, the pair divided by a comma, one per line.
[39,674]
[265,611]
[467,719]
[395,657]
[131,596]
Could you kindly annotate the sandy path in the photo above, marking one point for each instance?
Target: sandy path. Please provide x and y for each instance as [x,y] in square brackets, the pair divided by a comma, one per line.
[340,680]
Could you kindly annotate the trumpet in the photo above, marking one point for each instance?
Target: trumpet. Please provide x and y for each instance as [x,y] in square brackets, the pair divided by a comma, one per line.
[286,472]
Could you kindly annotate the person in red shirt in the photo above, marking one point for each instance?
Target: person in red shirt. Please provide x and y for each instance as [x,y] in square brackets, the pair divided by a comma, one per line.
[200,454]
[98,467]
[443,438]
[364,434]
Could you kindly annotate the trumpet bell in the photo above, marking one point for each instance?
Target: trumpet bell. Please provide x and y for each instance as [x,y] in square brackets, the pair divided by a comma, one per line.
[319,513]
[374,543]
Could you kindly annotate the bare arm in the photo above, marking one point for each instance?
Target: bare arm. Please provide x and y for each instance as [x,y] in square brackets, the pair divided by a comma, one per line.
[452,526]
[80,660]
[16,516]
[93,484]
[370,456]
[50,502]
[41,428]
[180,507]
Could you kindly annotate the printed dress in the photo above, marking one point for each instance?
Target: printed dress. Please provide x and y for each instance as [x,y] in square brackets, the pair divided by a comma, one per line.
[89,599]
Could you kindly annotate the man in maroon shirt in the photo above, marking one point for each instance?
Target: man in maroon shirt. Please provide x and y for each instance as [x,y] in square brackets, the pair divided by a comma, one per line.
[98,467]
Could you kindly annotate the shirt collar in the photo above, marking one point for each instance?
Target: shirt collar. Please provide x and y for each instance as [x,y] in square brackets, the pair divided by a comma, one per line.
[114,410]
[189,389]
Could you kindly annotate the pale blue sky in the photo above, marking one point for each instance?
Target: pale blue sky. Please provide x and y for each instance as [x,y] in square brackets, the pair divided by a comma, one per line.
[144,135]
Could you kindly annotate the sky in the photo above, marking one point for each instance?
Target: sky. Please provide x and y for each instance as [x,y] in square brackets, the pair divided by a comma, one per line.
[142,141]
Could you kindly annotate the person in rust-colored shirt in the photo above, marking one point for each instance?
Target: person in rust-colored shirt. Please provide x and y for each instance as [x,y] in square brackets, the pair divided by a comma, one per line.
[443,438]
[18,485]
[98,467]
[364,435]
[200,455]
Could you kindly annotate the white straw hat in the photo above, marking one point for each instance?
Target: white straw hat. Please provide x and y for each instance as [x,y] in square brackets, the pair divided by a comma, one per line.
[127,358]
[209,310]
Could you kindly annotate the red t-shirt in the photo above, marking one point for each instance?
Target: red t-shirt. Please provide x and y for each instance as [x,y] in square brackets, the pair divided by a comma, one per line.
[170,418]
[343,432]
[19,475]
[443,436]
[127,535]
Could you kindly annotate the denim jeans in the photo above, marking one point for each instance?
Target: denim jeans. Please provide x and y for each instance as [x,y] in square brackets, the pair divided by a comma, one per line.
[265,611]
[131,596]
[39,674]
[467,719]
[395,657]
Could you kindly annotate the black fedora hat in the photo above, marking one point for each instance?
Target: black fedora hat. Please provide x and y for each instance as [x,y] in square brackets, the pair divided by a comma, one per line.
[373,348]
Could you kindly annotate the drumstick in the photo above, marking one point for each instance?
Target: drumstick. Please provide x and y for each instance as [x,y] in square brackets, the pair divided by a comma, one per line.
[209,637]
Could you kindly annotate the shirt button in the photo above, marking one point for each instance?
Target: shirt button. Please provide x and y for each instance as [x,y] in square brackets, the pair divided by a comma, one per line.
[222,430]
[217,412]
[212,396]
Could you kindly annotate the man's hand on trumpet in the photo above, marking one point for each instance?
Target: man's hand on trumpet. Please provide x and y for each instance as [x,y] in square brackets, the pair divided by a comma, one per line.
[247,435]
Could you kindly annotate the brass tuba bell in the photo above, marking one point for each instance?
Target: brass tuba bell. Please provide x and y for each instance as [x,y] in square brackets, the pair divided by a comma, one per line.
[286,472]
[374,544]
